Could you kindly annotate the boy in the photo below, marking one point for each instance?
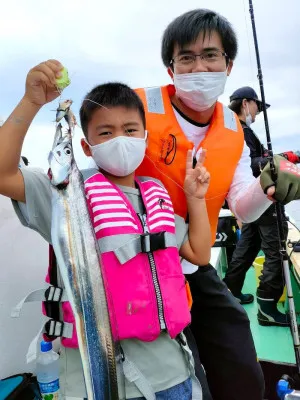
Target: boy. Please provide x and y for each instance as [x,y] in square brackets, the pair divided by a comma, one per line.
[113,122]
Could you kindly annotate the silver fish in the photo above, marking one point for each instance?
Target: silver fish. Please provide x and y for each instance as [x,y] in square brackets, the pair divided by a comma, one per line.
[77,253]
[64,111]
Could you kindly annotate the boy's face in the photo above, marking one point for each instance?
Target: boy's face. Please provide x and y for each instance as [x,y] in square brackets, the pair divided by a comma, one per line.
[109,123]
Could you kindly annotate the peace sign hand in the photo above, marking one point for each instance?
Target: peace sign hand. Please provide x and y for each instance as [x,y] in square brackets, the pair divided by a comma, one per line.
[196,179]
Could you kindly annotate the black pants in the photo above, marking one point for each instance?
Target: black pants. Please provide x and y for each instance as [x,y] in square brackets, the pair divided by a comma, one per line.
[222,332]
[262,234]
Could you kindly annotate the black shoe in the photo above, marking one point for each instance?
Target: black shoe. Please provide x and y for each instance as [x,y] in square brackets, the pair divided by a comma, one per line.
[245,298]
[268,314]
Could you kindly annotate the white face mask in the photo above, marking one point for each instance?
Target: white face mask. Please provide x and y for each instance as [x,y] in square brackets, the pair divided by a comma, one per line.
[249,119]
[120,156]
[200,90]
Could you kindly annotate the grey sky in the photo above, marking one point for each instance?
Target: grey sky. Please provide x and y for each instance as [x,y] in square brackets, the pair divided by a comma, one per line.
[119,40]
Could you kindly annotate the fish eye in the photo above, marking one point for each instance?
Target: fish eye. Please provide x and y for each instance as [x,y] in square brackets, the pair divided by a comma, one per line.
[67,151]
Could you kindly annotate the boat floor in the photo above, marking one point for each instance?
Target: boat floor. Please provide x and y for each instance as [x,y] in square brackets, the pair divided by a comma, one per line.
[272,343]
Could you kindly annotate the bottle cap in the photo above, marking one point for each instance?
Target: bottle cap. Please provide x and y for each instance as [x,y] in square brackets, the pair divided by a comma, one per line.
[46,346]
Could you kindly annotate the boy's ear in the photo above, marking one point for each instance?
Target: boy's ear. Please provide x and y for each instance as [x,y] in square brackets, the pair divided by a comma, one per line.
[85,147]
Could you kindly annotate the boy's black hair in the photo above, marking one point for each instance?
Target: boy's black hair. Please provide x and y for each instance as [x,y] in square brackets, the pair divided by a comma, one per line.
[112,94]
[186,28]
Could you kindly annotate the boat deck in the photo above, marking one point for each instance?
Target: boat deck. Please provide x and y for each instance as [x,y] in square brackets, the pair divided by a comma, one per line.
[272,343]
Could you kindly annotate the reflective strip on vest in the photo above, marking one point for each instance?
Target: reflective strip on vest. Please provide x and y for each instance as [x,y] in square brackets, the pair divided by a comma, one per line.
[131,247]
[229,119]
[155,103]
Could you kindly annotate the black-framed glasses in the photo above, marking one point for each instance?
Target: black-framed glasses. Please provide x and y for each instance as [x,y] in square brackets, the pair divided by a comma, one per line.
[208,57]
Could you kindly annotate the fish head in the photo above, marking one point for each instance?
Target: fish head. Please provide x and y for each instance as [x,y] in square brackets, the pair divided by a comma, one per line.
[63,109]
[60,159]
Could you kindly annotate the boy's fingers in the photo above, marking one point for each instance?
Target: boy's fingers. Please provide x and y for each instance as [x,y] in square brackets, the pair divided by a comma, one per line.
[189,160]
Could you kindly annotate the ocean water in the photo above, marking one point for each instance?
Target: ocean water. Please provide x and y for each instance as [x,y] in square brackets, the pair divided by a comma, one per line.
[293,209]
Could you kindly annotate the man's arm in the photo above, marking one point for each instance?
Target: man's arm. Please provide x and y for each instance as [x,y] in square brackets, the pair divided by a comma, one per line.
[246,198]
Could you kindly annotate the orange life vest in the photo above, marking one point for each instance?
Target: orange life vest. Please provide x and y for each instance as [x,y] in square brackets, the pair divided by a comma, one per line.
[167,149]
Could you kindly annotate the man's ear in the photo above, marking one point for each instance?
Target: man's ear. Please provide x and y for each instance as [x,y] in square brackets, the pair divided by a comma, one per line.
[244,103]
[170,73]
[85,147]
[229,67]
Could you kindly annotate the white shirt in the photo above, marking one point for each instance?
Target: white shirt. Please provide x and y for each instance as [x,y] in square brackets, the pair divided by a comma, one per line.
[245,196]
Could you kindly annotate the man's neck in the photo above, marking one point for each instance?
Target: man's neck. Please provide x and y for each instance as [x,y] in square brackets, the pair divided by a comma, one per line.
[202,117]
[242,118]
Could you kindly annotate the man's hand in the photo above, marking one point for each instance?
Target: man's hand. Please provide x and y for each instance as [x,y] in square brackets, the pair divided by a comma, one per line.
[291,156]
[287,186]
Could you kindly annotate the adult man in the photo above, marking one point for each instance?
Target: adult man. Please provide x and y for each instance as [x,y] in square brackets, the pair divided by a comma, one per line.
[261,234]
[198,49]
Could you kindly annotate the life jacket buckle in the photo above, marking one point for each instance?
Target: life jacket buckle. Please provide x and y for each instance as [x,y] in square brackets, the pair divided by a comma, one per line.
[151,242]
[53,293]
[54,328]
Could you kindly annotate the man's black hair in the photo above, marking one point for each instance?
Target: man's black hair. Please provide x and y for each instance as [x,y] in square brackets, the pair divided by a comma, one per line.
[113,94]
[236,106]
[186,28]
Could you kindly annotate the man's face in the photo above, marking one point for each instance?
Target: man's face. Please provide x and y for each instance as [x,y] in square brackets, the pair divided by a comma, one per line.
[212,60]
[253,109]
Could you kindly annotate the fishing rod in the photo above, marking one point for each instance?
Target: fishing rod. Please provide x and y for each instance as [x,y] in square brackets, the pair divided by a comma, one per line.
[282,250]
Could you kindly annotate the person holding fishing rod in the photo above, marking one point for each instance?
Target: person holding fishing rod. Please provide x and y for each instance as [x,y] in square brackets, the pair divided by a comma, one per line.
[136,228]
[263,233]
[198,50]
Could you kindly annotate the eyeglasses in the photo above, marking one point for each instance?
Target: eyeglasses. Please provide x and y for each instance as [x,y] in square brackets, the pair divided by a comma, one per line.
[208,57]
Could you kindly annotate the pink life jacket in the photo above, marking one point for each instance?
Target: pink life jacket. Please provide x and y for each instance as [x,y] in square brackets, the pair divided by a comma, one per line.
[140,259]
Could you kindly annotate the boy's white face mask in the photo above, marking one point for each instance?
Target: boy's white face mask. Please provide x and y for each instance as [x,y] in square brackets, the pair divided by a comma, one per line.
[120,156]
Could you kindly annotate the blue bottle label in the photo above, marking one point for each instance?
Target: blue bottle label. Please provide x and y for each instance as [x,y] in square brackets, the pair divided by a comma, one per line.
[50,390]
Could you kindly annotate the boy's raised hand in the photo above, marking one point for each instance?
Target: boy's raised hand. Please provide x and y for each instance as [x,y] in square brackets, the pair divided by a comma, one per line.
[196,179]
[41,85]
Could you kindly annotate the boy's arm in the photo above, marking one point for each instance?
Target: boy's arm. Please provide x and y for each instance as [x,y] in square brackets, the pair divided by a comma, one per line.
[40,89]
[12,135]
[197,248]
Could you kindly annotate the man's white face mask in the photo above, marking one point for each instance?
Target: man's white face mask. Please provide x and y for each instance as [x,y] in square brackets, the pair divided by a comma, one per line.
[248,116]
[200,90]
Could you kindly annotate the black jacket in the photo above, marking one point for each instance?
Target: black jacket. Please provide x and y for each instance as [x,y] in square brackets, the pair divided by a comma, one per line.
[257,150]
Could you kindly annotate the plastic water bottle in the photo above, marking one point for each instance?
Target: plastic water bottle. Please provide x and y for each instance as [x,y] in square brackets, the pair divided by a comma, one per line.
[47,372]
[294,395]
[284,390]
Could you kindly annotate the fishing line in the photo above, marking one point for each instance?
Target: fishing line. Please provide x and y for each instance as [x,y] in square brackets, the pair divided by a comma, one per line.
[249,49]
[154,163]
[281,234]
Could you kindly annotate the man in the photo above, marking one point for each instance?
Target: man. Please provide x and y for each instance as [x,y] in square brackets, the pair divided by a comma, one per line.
[198,49]
[261,234]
